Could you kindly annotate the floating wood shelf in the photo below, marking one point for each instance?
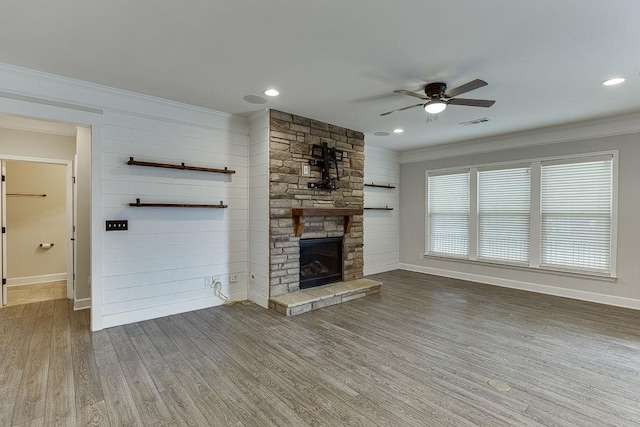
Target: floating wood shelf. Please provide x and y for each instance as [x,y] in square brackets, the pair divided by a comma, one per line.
[347,213]
[181,166]
[139,204]
[380,185]
[381,208]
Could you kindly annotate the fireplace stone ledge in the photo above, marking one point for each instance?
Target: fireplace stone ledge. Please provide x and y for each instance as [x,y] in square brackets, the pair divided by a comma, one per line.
[323,296]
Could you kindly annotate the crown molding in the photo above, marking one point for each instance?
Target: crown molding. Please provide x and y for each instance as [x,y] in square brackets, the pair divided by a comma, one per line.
[608,126]
[82,95]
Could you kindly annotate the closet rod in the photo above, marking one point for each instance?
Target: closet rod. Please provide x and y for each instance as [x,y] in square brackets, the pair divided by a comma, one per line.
[26,195]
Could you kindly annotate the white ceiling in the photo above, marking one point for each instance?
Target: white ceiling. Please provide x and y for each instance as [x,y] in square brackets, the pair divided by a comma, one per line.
[339,61]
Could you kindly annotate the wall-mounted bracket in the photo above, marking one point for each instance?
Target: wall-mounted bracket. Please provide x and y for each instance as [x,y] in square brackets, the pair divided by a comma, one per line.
[325,158]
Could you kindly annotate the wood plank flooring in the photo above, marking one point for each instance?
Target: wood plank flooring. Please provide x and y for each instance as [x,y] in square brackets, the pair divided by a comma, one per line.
[418,354]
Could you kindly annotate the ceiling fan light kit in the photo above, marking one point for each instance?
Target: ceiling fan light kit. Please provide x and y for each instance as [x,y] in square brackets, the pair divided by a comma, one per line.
[435,107]
[437,97]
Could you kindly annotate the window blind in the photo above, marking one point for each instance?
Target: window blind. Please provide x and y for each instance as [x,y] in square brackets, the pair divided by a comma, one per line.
[448,212]
[504,203]
[576,211]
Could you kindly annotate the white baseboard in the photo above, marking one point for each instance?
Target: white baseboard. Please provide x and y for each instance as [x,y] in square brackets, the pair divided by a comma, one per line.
[82,304]
[261,300]
[527,286]
[380,269]
[30,280]
[118,319]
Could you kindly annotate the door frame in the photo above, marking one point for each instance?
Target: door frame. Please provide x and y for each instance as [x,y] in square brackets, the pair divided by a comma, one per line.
[70,219]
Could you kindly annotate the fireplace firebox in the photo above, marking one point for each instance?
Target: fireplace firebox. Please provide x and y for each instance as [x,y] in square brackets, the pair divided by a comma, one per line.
[320,261]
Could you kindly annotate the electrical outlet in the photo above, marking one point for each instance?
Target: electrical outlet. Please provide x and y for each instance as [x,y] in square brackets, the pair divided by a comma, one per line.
[233,277]
[210,280]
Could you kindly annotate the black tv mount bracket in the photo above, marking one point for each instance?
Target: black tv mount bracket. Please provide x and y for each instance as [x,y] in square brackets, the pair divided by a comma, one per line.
[326,158]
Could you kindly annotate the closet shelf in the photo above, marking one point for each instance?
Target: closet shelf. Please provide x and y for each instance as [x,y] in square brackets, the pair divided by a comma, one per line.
[181,166]
[381,208]
[139,204]
[379,185]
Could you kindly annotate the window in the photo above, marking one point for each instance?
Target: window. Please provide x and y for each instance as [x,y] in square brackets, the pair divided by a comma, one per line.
[554,214]
[504,203]
[449,214]
[576,215]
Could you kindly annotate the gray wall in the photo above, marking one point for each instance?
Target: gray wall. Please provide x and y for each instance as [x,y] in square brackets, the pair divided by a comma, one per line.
[412,216]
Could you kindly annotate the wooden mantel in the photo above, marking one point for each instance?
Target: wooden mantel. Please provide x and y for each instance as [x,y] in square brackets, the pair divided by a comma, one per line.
[298,213]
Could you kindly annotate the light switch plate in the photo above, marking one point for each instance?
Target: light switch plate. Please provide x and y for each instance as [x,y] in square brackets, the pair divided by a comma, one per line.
[306,169]
[117,225]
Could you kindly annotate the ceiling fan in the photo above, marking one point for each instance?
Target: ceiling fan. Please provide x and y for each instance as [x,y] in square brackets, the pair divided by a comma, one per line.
[438,97]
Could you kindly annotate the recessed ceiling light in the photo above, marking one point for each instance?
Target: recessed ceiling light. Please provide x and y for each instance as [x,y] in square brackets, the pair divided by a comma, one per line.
[614,81]
[271,92]
[381,133]
[398,130]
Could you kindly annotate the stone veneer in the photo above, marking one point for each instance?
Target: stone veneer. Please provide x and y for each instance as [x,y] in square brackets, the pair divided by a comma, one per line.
[290,141]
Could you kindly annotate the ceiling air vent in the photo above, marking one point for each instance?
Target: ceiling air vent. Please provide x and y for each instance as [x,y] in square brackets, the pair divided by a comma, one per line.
[476,121]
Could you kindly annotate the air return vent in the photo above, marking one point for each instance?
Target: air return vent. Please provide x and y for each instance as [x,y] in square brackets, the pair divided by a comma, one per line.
[476,121]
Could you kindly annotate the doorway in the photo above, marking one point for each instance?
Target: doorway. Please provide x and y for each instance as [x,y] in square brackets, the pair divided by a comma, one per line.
[39,263]
[37,226]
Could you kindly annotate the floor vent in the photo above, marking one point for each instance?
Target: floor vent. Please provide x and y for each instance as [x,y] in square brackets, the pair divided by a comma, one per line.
[499,385]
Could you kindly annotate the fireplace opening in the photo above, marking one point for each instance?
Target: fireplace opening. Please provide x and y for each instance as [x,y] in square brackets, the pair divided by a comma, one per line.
[320,261]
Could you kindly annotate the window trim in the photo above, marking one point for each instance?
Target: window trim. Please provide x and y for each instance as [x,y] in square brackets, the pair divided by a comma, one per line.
[534,263]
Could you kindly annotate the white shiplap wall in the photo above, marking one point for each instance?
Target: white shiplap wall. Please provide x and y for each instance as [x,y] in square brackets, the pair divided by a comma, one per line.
[381,227]
[258,283]
[159,265]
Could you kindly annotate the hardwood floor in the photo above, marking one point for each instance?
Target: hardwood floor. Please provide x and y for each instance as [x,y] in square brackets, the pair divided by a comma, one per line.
[418,354]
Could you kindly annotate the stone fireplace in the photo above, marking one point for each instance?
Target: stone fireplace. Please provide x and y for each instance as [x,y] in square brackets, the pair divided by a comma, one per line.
[291,140]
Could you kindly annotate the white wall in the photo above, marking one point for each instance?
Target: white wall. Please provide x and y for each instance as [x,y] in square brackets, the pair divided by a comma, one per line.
[381,227]
[158,267]
[625,291]
[160,263]
[259,208]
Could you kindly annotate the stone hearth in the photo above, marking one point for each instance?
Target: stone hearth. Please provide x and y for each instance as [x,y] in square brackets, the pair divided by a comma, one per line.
[323,296]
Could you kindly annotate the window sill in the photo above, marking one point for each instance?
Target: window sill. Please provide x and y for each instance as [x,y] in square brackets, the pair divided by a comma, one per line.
[545,270]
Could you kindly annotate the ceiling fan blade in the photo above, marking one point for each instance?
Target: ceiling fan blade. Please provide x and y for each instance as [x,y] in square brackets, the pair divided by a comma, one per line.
[467,87]
[471,102]
[401,109]
[406,92]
